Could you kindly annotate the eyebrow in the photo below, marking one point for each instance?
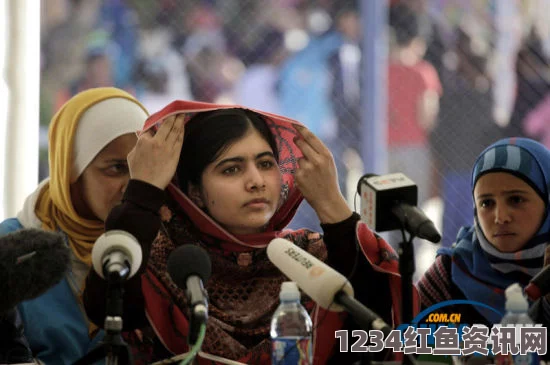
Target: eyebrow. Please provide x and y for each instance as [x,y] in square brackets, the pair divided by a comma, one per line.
[242,159]
[508,192]
[117,160]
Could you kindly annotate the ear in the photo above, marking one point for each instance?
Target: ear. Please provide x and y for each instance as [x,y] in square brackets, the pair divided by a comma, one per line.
[195,195]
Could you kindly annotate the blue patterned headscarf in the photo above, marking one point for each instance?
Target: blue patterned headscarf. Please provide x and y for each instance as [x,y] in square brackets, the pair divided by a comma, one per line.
[480,270]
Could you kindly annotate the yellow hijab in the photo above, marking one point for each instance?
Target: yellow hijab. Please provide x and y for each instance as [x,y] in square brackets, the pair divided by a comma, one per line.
[54,207]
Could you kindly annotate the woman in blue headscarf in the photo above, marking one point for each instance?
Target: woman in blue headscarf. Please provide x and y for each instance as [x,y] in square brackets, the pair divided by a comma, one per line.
[507,242]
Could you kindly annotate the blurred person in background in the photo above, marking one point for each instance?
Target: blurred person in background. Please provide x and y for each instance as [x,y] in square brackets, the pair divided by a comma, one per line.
[414,90]
[161,73]
[119,20]
[205,68]
[153,80]
[346,86]
[345,66]
[97,72]
[110,54]
[257,86]
[305,92]
[89,140]
[65,25]
[532,82]
[537,123]
[212,70]
[466,126]
[305,83]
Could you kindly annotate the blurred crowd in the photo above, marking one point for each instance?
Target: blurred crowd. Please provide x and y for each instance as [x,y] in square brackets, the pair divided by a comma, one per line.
[450,68]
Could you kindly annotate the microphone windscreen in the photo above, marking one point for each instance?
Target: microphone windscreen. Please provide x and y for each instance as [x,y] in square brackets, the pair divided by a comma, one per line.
[314,277]
[189,260]
[116,240]
[31,262]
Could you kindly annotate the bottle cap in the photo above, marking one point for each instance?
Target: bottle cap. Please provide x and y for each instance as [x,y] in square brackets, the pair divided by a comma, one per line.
[515,301]
[289,291]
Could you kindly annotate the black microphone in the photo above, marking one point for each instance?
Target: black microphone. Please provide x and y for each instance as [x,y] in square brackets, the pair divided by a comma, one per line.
[116,255]
[539,284]
[330,289]
[189,267]
[389,202]
[31,262]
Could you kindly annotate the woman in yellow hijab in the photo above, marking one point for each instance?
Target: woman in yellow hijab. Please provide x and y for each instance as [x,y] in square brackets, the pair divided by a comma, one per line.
[89,140]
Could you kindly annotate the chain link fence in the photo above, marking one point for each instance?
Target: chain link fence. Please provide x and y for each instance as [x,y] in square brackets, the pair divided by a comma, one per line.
[461,74]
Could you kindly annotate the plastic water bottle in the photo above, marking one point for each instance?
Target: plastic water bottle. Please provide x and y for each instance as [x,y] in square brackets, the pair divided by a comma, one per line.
[516,314]
[291,329]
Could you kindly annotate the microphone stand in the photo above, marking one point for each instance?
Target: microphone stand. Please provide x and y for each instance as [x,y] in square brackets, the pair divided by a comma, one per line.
[406,269]
[112,348]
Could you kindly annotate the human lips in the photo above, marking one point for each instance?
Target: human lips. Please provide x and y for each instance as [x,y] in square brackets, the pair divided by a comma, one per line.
[503,234]
[256,202]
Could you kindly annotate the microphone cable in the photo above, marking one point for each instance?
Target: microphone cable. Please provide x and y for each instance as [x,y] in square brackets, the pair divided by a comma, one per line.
[196,346]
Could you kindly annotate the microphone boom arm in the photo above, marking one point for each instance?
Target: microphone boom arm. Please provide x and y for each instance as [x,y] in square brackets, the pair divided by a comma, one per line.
[365,317]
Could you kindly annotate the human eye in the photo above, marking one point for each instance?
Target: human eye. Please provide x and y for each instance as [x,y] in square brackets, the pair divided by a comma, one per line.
[486,203]
[516,199]
[266,164]
[232,170]
[117,169]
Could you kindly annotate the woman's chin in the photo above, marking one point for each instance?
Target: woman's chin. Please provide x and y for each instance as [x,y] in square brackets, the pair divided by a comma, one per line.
[250,228]
[506,244]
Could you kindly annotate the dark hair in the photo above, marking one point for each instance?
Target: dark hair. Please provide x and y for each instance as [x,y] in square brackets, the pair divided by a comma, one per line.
[209,134]
[404,23]
[152,75]
[95,53]
[270,42]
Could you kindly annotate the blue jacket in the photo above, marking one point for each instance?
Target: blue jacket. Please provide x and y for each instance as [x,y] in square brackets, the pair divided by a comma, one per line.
[55,326]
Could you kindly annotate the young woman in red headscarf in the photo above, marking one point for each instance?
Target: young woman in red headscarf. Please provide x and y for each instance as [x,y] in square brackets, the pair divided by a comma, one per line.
[229,179]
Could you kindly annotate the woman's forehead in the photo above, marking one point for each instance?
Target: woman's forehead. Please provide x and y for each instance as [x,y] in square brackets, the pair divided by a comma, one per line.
[251,143]
[501,182]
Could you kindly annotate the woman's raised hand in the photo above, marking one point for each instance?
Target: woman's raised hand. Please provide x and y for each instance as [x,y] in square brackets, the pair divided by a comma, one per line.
[317,178]
[155,156]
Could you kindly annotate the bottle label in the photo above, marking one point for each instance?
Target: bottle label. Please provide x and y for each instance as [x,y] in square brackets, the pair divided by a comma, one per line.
[292,351]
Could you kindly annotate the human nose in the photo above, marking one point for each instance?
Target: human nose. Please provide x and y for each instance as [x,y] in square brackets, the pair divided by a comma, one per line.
[124,185]
[255,180]
[502,215]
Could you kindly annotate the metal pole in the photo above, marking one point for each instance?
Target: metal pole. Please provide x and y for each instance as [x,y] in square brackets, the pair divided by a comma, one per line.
[22,74]
[374,150]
